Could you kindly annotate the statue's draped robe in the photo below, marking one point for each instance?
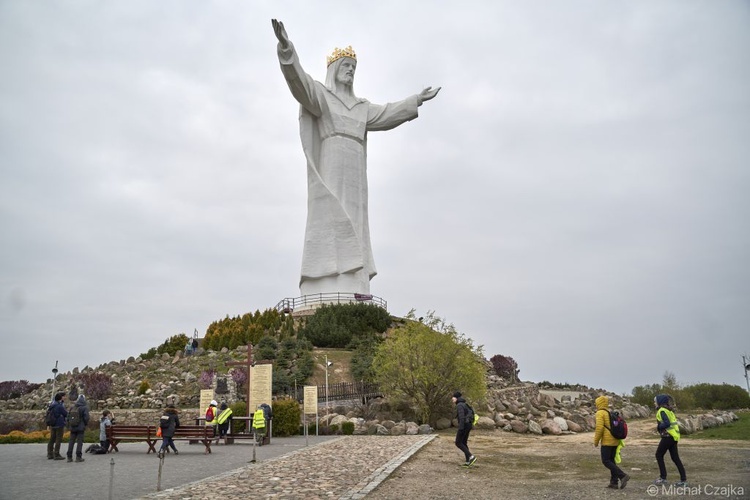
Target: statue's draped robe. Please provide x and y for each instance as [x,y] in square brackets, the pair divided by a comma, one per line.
[334,140]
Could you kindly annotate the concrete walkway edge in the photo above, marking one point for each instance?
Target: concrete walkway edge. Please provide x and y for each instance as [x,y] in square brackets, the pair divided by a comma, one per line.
[380,475]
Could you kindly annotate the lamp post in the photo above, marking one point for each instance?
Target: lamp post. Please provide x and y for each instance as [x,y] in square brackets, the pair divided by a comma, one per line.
[54,378]
[328,363]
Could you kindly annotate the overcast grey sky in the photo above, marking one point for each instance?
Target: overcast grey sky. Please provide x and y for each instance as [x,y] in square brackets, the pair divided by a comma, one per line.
[576,197]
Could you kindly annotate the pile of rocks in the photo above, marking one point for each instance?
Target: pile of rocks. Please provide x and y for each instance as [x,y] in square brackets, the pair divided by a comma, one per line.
[169,380]
[523,409]
[376,427]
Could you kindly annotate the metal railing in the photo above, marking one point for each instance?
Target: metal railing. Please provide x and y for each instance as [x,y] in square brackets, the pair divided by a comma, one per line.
[289,305]
[342,391]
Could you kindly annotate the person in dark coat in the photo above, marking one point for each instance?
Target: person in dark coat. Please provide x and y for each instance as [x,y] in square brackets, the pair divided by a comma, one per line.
[168,422]
[77,431]
[465,424]
[56,431]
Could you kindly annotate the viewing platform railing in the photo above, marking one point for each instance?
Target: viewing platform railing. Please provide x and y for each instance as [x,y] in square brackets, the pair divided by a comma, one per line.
[310,302]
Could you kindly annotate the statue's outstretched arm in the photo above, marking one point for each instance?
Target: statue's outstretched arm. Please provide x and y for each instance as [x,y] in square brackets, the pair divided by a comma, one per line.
[426,94]
[280,32]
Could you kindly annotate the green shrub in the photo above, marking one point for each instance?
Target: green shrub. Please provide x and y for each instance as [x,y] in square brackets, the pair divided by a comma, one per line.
[337,325]
[239,409]
[286,417]
[143,387]
[347,428]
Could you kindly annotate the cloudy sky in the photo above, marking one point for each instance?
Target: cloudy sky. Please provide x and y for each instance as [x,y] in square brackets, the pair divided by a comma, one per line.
[576,197]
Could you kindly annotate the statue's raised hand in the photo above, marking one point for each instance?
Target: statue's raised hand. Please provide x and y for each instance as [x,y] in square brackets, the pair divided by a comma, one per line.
[428,94]
[280,32]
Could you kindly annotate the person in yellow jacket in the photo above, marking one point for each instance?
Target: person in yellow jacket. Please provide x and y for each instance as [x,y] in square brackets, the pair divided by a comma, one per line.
[259,425]
[667,426]
[609,444]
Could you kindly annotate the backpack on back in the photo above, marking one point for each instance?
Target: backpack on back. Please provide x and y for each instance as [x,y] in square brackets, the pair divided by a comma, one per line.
[74,417]
[617,425]
[164,422]
[473,417]
[50,419]
[210,414]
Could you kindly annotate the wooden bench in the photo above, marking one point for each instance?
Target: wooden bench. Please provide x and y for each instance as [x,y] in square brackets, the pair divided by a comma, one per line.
[133,433]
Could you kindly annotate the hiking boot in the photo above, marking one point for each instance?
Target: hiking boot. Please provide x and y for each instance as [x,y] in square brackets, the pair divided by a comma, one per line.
[70,459]
[624,481]
[661,480]
[176,452]
[50,457]
[59,457]
[613,486]
[80,459]
[681,484]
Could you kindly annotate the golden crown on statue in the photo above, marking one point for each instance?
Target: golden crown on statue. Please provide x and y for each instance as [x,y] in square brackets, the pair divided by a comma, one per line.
[339,53]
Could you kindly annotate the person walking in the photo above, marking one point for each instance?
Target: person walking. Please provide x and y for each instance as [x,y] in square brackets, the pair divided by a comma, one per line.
[465,417]
[57,430]
[667,426]
[617,478]
[168,423]
[78,419]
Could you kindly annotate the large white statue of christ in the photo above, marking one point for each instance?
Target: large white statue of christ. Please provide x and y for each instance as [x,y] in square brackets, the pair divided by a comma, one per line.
[337,255]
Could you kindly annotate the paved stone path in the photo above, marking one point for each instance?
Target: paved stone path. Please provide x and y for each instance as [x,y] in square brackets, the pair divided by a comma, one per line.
[344,468]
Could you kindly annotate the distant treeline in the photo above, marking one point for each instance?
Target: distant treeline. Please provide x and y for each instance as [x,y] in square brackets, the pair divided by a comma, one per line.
[703,395]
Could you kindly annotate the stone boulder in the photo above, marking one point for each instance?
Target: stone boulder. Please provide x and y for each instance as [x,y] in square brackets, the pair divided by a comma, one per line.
[388,424]
[573,427]
[500,421]
[425,429]
[377,430]
[535,428]
[485,423]
[708,421]
[551,427]
[442,423]
[562,423]
[338,420]
[412,429]
[398,429]
[519,427]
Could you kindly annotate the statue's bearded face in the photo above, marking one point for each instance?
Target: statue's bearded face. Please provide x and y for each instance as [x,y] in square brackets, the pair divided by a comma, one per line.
[345,73]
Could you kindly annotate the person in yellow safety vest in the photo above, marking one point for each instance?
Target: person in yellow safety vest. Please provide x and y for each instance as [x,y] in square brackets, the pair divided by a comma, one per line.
[259,425]
[223,420]
[669,428]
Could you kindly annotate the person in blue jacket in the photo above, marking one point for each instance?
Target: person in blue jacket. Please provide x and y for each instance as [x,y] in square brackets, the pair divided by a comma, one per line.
[56,431]
[668,427]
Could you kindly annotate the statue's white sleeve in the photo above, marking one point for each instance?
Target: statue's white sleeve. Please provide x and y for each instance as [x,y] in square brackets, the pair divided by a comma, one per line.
[303,87]
[393,114]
